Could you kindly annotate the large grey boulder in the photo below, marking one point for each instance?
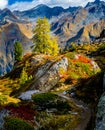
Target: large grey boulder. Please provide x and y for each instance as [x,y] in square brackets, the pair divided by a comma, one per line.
[28,94]
[48,74]
[100,120]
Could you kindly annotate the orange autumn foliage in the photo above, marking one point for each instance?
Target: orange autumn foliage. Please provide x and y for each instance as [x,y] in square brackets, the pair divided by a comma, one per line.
[82,58]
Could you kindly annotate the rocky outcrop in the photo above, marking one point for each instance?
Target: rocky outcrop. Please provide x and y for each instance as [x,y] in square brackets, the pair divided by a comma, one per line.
[48,74]
[104,82]
[100,121]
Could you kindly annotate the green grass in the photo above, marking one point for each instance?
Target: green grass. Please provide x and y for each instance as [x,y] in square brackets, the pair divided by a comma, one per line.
[57,122]
[70,55]
[101,47]
[85,67]
[16,124]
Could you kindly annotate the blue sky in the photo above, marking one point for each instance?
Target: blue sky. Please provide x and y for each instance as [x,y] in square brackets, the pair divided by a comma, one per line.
[28,4]
[10,2]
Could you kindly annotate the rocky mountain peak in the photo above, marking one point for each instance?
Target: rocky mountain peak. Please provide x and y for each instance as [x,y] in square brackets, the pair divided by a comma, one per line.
[97,1]
[40,6]
[6,12]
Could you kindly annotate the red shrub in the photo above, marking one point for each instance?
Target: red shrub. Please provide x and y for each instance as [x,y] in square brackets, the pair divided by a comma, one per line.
[23,111]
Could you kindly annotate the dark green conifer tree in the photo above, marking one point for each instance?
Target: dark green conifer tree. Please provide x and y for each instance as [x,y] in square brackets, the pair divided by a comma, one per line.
[18,51]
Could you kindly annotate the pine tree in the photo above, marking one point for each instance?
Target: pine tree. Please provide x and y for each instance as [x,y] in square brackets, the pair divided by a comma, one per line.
[43,41]
[23,76]
[18,51]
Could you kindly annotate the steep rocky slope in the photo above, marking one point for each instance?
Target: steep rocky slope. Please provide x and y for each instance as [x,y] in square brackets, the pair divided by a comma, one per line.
[9,34]
[81,25]
[88,33]
[12,29]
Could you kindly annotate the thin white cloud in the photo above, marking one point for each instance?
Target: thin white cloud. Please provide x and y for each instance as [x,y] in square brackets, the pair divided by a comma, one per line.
[64,3]
[3,3]
[23,5]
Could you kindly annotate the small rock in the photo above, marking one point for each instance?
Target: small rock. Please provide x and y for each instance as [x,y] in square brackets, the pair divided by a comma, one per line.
[3,114]
[27,95]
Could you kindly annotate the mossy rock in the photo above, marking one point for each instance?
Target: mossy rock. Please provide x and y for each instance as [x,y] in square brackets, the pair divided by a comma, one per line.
[44,97]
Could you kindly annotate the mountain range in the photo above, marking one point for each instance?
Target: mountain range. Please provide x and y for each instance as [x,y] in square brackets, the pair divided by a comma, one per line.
[44,91]
[74,24]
